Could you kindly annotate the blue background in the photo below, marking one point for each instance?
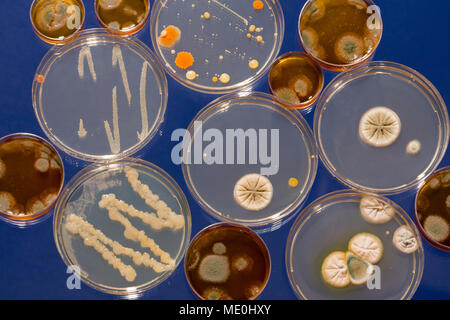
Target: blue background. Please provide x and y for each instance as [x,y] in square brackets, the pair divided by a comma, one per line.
[416,34]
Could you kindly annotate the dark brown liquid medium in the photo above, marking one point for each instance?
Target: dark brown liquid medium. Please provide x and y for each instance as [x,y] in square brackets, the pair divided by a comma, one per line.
[41,9]
[289,69]
[340,18]
[240,285]
[129,14]
[433,201]
[21,179]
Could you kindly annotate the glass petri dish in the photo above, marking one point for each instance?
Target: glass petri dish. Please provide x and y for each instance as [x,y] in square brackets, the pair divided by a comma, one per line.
[129,225]
[393,168]
[31,178]
[227,261]
[113,101]
[296,80]
[327,225]
[67,20]
[432,208]
[251,133]
[216,46]
[343,42]
[122,17]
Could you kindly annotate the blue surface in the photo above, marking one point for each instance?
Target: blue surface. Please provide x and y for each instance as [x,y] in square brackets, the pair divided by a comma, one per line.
[415,34]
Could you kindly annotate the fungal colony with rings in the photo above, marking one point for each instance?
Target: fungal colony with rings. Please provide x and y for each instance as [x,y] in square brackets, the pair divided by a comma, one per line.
[366,125]
[122,16]
[217,46]
[57,21]
[123,225]
[433,208]
[31,177]
[113,100]
[259,156]
[374,251]
[340,33]
[227,262]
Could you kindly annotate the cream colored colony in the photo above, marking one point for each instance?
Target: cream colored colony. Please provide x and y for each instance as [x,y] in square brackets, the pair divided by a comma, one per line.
[77,225]
[151,199]
[133,234]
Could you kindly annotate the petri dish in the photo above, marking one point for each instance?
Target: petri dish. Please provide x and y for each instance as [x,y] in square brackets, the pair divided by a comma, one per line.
[227,262]
[296,80]
[57,21]
[216,46]
[432,208]
[327,225]
[122,17]
[242,135]
[340,34]
[113,101]
[410,98]
[31,178]
[124,226]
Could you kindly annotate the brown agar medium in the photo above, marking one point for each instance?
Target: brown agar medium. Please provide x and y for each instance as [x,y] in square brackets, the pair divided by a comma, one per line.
[433,209]
[57,21]
[227,262]
[122,17]
[340,33]
[295,80]
[31,178]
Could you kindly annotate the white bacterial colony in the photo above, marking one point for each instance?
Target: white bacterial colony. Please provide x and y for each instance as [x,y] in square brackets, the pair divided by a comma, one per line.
[85,53]
[77,225]
[133,234]
[113,138]
[81,130]
[151,199]
[143,102]
[113,135]
[117,57]
[110,201]
[100,242]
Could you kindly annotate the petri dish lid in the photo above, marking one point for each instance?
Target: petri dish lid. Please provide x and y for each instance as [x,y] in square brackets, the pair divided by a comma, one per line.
[81,198]
[385,170]
[100,97]
[216,33]
[327,225]
[274,142]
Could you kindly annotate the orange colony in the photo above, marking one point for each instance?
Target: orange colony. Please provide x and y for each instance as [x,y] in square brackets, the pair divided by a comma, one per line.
[169,36]
[184,60]
[258,5]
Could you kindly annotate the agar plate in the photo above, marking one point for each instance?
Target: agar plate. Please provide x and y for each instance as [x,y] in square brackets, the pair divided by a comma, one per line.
[126,225]
[331,224]
[100,97]
[248,142]
[216,46]
[381,128]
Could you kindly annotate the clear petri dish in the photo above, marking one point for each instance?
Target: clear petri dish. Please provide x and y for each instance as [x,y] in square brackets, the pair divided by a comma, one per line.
[112,219]
[113,100]
[410,155]
[432,208]
[216,46]
[327,225]
[340,34]
[31,178]
[122,17]
[57,21]
[296,80]
[227,262]
[243,134]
